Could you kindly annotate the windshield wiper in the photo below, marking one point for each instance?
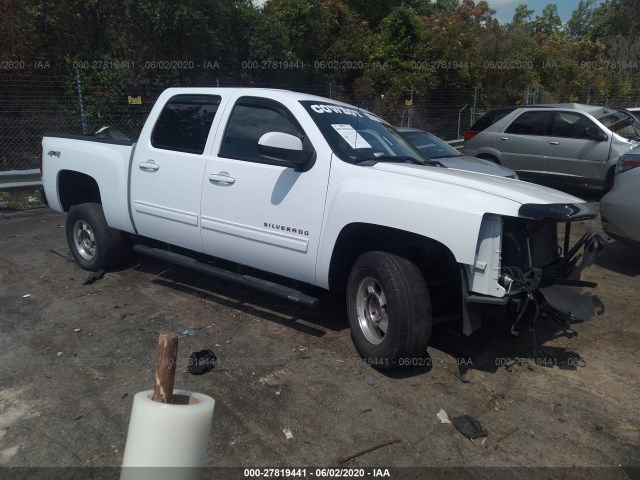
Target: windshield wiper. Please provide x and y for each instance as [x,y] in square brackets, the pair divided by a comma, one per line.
[370,161]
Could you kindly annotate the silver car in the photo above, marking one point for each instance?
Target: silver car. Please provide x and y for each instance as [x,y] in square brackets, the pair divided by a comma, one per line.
[570,144]
[436,149]
[619,210]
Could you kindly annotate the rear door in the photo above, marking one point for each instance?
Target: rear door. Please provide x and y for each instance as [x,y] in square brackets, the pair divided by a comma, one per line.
[166,175]
[523,143]
[254,210]
[572,154]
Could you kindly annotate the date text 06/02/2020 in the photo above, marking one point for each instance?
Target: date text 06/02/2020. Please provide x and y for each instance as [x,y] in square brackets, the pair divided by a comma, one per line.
[317,472]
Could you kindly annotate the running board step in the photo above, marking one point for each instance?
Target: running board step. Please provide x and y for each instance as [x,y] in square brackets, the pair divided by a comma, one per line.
[265,286]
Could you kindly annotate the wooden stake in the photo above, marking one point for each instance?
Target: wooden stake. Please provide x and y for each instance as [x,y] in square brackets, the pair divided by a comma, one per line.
[166,356]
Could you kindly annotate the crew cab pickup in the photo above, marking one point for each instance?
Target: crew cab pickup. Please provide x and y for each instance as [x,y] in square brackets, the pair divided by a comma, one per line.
[296,191]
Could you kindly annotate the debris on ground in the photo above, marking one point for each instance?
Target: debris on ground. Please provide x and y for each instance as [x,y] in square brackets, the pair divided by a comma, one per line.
[189,332]
[94,277]
[469,427]
[76,330]
[344,460]
[443,417]
[275,379]
[26,295]
[287,434]
[202,362]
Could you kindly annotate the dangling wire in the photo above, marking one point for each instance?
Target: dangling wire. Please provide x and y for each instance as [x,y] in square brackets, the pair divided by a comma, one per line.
[520,279]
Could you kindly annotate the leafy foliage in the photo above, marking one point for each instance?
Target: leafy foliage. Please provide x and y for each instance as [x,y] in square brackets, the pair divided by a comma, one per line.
[384,49]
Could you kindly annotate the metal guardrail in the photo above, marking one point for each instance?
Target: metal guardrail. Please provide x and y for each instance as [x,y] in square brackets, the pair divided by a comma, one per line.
[457,144]
[13,179]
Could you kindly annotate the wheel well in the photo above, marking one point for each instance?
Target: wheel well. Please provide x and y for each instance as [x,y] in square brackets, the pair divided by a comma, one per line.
[75,188]
[609,178]
[435,260]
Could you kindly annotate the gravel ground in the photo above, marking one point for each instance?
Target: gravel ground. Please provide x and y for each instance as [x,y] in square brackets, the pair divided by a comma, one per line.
[73,356]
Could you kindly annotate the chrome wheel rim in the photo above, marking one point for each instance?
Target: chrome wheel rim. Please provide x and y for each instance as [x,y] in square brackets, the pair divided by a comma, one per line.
[84,239]
[371,308]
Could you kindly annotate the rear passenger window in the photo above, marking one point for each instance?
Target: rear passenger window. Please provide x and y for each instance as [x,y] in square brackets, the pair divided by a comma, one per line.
[532,123]
[571,125]
[184,123]
[251,118]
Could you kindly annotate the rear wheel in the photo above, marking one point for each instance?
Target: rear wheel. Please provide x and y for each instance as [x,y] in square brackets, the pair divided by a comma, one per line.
[93,244]
[389,310]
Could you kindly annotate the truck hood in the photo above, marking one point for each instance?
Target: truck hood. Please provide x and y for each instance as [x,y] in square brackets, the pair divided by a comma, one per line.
[515,190]
[475,164]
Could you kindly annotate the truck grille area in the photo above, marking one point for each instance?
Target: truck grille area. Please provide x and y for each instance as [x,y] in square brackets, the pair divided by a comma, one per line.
[528,244]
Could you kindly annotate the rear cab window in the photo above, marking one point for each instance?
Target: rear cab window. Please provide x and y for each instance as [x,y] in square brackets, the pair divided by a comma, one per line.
[185,122]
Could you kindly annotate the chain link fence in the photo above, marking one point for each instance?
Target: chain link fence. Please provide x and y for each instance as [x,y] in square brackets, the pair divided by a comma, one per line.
[32,105]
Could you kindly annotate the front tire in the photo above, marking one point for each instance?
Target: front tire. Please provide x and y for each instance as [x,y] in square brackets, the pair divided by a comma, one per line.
[93,244]
[389,310]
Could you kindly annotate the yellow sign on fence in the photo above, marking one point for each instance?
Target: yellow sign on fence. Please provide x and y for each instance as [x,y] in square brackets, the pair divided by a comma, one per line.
[135,100]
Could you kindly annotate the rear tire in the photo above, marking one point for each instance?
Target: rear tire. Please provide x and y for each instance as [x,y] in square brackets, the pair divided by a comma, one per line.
[93,244]
[389,310]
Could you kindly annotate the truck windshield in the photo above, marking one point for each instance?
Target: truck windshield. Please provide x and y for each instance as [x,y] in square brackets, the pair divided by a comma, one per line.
[358,136]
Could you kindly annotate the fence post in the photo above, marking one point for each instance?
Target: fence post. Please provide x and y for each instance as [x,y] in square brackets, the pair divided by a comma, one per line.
[460,119]
[83,116]
[472,112]
[410,113]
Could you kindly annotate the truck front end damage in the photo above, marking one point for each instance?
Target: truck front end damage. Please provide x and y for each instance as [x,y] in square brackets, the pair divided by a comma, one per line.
[520,262]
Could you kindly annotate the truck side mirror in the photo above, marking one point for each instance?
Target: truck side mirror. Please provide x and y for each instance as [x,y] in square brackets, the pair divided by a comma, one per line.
[594,133]
[284,147]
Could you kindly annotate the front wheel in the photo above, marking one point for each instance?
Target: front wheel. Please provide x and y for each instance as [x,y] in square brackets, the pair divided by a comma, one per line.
[389,310]
[93,244]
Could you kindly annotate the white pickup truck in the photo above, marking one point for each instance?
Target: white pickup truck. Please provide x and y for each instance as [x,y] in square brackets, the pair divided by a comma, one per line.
[300,191]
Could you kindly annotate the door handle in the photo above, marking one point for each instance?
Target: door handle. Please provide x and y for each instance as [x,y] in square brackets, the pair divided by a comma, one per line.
[149,165]
[222,177]
[504,138]
[554,143]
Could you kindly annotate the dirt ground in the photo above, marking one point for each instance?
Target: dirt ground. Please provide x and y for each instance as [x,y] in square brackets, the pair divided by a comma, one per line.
[73,357]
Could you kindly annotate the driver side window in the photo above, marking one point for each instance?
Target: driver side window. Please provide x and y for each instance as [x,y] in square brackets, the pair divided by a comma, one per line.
[571,125]
[251,118]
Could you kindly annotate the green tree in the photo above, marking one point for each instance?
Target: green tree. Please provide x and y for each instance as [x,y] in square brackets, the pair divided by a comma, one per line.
[616,17]
[522,15]
[372,12]
[580,24]
[549,23]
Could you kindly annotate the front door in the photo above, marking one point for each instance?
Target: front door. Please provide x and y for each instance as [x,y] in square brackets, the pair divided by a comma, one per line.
[255,211]
[574,156]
